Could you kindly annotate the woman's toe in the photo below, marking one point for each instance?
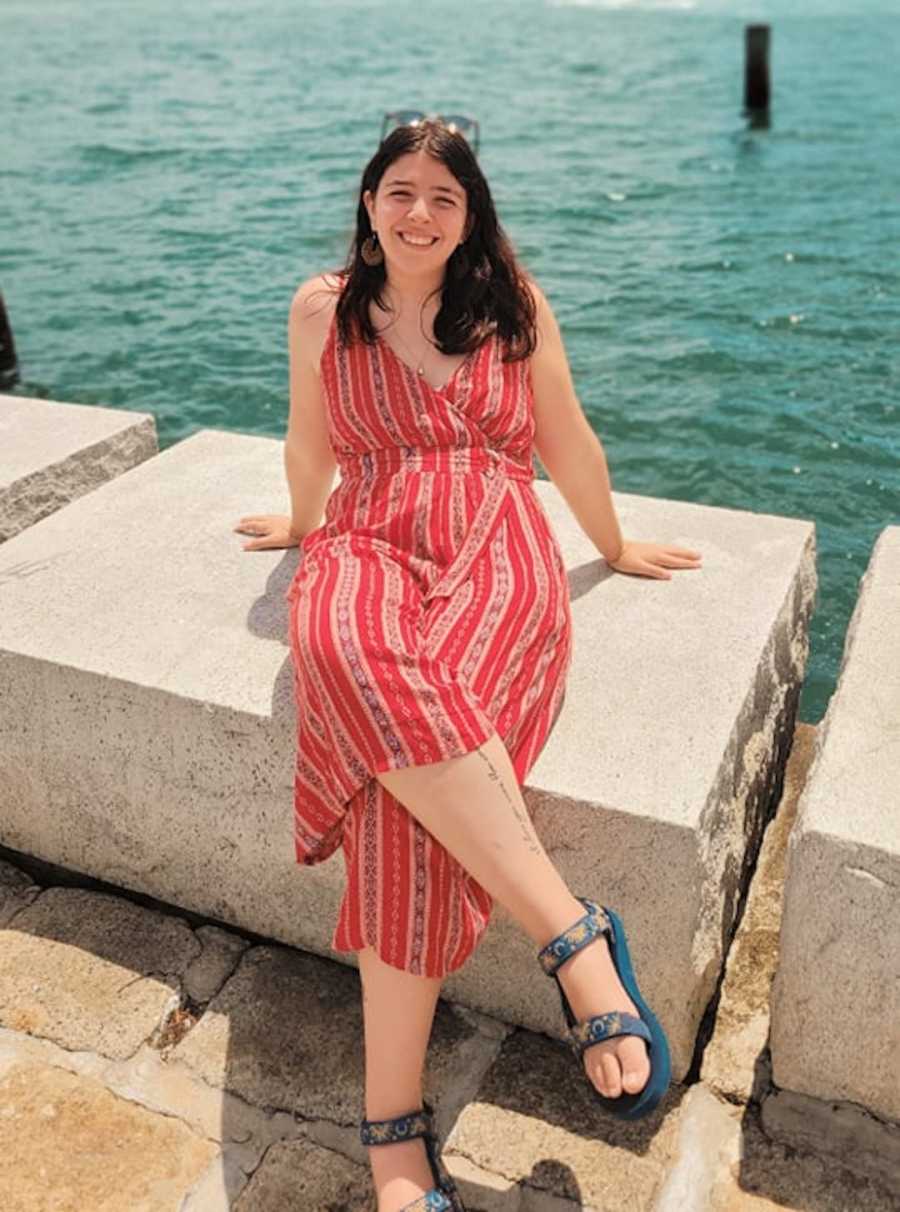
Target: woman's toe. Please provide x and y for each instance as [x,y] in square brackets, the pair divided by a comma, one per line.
[612,1074]
[593,1063]
[604,1070]
[635,1064]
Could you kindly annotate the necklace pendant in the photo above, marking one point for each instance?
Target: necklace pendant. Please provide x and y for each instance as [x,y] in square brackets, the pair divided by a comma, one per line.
[420,369]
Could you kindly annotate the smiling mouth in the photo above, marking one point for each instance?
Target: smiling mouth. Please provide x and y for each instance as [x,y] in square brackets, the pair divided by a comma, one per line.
[417,242]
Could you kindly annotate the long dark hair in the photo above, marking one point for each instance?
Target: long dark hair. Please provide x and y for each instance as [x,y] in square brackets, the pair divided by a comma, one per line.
[484,289]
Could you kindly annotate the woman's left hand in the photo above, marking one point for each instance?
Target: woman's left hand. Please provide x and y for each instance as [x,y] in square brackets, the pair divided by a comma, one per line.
[652,559]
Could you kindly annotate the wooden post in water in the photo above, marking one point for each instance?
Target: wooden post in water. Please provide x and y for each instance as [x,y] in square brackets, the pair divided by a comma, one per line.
[756,67]
[9,367]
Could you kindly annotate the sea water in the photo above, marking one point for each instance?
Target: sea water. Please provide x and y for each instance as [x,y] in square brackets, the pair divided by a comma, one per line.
[729,294]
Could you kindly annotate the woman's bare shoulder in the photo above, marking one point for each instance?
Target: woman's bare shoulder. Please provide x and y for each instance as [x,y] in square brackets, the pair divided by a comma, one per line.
[312,310]
[317,295]
[544,318]
[540,299]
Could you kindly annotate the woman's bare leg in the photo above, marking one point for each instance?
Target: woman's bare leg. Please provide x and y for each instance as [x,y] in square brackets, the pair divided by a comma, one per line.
[398,1010]
[474,807]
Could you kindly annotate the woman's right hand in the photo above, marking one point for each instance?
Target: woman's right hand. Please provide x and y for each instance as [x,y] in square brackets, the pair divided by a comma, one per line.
[269,529]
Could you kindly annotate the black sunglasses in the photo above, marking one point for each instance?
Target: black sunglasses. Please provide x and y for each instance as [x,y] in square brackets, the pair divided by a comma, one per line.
[458,123]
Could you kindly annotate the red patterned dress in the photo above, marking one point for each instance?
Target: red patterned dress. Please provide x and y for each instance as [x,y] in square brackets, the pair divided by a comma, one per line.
[429,610]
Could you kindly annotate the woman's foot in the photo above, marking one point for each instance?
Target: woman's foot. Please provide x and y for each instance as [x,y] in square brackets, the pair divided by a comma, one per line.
[591,983]
[400,1173]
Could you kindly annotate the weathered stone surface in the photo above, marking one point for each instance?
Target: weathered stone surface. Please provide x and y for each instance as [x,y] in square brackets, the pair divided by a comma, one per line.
[242,1132]
[16,891]
[534,1123]
[726,1163]
[521,1130]
[68,1145]
[207,974]
[90,970]
[708,1140]
[867,1146]
[52,453]
[299,1174]
[740,1036]
[769,1176]
[286,1031]
[836,995]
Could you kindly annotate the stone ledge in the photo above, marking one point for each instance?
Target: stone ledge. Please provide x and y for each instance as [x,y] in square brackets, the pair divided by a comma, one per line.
[659,775]
[52,453]
[836,996]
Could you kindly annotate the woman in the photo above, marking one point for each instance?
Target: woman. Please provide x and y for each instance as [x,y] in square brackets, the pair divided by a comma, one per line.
[431,632]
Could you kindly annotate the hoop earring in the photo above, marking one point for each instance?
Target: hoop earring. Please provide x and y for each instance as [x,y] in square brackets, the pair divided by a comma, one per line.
[371,251]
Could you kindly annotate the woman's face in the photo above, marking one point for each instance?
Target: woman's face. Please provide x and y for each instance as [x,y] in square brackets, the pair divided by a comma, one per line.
[420,199]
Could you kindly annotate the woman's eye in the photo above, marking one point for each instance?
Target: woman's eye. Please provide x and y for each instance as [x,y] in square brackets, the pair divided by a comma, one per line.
[403,193]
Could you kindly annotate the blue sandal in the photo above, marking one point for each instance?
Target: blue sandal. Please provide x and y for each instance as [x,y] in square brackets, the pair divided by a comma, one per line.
[443,1197]
[582,1035]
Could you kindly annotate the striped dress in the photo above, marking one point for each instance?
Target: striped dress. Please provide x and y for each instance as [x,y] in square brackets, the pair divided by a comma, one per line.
[428,610]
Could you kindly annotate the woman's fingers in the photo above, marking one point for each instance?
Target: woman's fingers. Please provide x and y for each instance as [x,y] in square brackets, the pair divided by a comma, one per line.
[673,557]
[268,530]
[652,559]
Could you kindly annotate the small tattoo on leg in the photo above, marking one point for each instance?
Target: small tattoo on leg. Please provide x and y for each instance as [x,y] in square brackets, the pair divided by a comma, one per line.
[527,829]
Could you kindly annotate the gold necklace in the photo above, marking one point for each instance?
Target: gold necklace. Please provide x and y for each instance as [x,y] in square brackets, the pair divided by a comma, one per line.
[420,365]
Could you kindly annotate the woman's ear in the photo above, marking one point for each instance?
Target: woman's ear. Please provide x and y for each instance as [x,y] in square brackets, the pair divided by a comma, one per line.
[367,202]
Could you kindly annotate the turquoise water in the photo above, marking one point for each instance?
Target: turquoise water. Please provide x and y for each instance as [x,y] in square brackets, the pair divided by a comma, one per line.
[728,296]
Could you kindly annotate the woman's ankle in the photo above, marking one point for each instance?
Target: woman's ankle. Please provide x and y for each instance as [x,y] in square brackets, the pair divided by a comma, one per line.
[401,1173]
[392,1105]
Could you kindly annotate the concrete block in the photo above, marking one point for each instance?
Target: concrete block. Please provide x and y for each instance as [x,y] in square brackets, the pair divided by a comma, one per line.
[51,453]
[148,737]
[836,994]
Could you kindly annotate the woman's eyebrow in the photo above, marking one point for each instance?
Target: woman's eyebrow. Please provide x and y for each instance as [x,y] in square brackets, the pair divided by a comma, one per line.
[446,189]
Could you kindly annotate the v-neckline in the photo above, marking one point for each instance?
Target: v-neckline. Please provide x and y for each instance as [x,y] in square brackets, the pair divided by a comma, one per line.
[438,391]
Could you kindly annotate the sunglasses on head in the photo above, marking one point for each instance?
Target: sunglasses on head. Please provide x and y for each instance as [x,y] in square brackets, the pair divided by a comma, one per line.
[457,123]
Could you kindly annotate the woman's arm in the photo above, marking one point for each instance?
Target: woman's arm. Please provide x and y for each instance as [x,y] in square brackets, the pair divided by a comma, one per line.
[565,442]
[309,460]
[572,454]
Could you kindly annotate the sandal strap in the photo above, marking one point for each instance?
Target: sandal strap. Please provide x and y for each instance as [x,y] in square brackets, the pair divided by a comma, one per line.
[400,1127]
[434,1200]
[599,1027]
[441,1198]
[578,935]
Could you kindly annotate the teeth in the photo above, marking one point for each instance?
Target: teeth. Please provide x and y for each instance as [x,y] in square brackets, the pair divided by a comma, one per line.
[417,240]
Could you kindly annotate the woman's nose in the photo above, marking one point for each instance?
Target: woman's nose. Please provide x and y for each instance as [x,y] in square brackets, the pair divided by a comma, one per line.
[419,209]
